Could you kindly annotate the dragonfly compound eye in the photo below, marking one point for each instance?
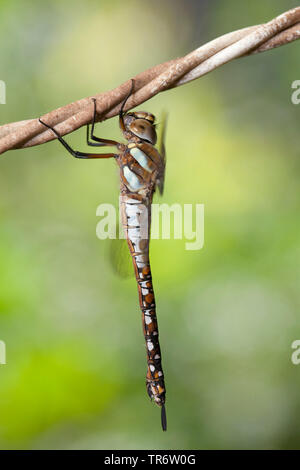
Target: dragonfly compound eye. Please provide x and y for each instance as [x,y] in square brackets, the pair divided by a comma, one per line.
[144,129]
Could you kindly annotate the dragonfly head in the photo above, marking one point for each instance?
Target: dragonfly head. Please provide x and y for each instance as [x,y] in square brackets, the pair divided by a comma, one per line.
[140,124]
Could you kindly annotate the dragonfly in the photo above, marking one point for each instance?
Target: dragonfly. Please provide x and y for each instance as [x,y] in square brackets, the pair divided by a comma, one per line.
[142,170]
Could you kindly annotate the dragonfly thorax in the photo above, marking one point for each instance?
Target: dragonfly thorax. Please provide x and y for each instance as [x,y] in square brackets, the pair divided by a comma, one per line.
[140,124]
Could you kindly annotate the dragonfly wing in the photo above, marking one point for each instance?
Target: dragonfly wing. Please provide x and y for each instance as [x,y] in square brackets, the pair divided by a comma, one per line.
[162,151]
[120,257]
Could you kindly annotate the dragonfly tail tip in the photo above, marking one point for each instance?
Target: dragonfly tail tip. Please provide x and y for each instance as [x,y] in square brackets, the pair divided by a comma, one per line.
[163,418]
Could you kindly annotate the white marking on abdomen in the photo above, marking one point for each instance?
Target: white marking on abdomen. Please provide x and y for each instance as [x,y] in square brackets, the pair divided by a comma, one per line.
[131,201]
[150,345]
[132,214]
[144,283]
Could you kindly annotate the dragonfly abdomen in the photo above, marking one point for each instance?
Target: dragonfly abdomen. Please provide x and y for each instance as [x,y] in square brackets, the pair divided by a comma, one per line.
[135,214]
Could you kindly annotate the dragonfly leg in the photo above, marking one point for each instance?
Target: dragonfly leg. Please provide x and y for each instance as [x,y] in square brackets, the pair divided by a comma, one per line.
[100,142]
[76,153]
[121,113]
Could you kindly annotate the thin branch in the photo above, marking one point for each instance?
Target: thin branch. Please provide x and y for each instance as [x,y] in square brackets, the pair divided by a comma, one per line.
[252,40]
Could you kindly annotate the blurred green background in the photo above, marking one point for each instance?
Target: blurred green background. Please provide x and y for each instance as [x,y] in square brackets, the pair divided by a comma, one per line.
[228,313]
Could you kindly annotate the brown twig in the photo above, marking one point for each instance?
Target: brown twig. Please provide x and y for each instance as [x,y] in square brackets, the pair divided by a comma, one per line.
[277,32]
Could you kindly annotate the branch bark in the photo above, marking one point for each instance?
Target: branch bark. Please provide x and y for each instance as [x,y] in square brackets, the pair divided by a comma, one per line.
[247,41]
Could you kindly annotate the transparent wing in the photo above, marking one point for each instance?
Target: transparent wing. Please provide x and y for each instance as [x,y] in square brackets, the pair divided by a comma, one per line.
[120,257]
[162,151]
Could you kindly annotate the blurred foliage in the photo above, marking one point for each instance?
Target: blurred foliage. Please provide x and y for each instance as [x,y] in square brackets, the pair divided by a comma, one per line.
[227,314]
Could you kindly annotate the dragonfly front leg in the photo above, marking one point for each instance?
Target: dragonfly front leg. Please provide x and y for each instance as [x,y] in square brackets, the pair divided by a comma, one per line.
[100,142]
[76,153]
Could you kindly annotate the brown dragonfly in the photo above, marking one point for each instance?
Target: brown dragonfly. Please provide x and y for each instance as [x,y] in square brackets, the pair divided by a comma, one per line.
[142,169]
